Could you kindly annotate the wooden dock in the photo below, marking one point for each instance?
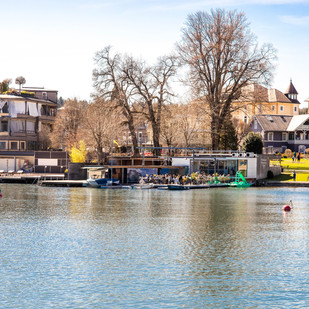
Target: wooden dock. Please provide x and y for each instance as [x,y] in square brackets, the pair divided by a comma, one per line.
[29,178]
[64,183]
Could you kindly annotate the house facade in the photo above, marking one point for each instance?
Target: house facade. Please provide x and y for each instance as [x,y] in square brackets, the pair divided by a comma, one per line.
[22,117]
[258,100]
[282,132]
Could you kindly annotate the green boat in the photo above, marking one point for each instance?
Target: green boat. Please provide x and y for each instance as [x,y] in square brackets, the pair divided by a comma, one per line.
[177,187]
[240,181]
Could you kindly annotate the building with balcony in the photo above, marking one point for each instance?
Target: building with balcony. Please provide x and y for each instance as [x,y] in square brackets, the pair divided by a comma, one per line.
[22,117]
[283,132]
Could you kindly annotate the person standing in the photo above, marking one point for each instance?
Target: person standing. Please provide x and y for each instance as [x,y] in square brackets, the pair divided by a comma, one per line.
[294,176]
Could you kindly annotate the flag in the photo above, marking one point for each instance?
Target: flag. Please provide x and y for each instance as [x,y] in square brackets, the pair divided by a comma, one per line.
[116,143]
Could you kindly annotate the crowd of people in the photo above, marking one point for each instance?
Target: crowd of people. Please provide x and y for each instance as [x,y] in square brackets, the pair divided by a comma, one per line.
[193,179]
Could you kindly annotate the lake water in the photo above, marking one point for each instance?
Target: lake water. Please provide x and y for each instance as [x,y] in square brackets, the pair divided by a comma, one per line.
[212,248]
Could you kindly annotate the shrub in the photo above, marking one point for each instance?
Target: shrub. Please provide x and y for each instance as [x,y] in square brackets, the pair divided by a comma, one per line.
[253,143]
[270,175]
[288,153]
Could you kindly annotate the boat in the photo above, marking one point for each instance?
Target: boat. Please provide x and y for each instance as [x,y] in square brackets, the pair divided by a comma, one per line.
[143,186]
[115,187]
[177,187]
[240,181]
[98,182]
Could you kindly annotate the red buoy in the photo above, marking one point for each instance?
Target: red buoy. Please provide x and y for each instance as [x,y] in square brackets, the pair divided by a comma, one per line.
[286,208]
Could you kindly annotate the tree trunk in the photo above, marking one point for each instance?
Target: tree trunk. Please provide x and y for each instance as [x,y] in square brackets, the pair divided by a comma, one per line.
[100,155]
[156,143]
[216,125]
[136,151]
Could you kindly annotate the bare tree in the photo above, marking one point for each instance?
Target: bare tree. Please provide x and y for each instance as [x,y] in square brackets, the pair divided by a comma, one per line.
[170,123]
[223,57]
[44,141]
[111,85]
[20,80]
[190,125]
[151,89]
[102,125]
[68,126]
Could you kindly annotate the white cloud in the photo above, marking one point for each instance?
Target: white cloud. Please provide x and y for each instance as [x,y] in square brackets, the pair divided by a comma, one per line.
[170,5]
[295,20]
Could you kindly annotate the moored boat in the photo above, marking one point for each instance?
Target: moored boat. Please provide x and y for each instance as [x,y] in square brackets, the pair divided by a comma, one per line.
[177,187]
[97,183]
[143,186]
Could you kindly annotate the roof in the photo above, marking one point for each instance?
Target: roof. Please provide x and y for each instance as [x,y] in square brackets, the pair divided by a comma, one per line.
[291,89]
[297,121]
[41,89]
[275,95]
[258,93]
[19,98]
[274,122]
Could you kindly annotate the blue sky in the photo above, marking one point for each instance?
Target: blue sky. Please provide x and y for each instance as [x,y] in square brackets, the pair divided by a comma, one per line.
[52,43]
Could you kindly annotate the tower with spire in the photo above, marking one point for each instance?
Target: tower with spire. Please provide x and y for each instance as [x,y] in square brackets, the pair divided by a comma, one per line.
[291,93]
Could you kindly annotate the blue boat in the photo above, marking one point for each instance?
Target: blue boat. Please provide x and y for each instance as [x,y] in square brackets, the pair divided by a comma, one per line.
[97,183]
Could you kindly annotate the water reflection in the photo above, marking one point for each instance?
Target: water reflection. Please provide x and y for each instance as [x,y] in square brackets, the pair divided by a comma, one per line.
[83,247]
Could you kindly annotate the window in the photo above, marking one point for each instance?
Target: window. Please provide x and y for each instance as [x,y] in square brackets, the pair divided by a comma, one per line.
[245,119]
[44,95]
[5,108]
[295,108]
[4,126]
[255,125]
[291,136]
[2,145]
[22,145]
[270,118]
[242,166]
[53,112]
[284,136]
[273,107]
[270,136]
[14,146]
[281,108]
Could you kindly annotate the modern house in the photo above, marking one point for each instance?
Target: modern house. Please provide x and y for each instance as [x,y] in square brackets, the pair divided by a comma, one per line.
[23,116]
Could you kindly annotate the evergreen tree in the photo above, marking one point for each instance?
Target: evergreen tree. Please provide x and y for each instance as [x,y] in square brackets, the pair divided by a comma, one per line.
[228,137]
[253,143]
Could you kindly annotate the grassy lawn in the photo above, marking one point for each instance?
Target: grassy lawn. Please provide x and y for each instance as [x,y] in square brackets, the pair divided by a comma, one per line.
[301,168]
[303,164]
[286,176]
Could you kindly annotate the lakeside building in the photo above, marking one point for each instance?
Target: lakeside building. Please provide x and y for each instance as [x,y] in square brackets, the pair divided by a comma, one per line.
[282,132]
[275,116]
[258,100]
[23,116]
[129,170]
